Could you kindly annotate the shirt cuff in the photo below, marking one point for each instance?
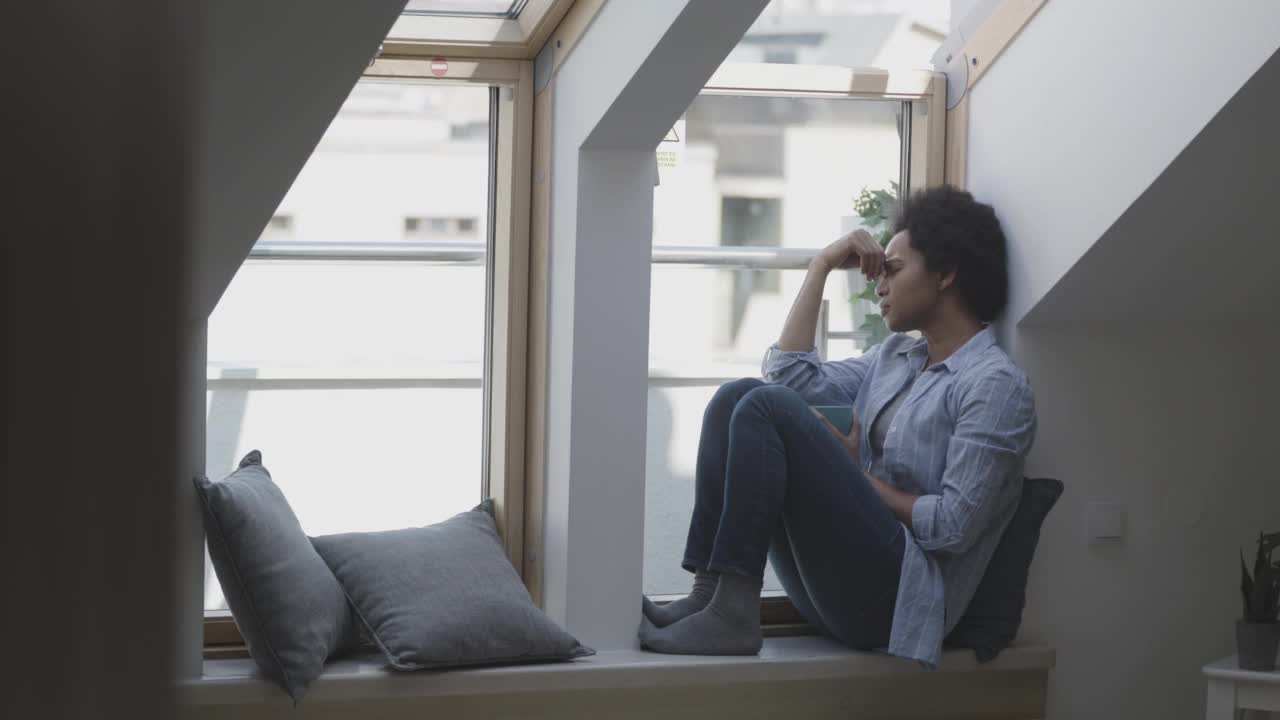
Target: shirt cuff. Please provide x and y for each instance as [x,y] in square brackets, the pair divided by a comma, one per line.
[924,513]
[776,359]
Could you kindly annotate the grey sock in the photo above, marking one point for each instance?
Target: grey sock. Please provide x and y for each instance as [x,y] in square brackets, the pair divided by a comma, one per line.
[728,625]
[704,588]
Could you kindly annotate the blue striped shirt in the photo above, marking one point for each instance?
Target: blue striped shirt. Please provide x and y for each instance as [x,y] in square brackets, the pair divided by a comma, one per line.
[959,441]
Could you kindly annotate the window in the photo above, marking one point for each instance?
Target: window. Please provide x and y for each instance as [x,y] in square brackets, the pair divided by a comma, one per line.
[871,33]
[481,8]
[466,28]
[279,227]
[771,161]
[750,222]
[328,351]
[784,55]
[366,404]
[441,228]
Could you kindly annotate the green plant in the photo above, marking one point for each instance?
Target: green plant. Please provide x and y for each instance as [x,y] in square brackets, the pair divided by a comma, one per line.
[1262,591]
[876,208]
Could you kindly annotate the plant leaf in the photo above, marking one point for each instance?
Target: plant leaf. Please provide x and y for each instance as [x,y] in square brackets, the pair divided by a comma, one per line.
[1260,560]
[1262,583]
[1270,541]
[1271,611]
[1271,587]
[1246,586]
[869,294]
[876,330]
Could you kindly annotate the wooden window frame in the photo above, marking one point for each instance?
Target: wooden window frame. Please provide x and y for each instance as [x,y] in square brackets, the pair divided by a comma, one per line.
[518,38]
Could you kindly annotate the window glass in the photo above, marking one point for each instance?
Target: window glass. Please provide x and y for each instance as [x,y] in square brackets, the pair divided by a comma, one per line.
[738,175]
[361,381]
[849,33]
[493,8]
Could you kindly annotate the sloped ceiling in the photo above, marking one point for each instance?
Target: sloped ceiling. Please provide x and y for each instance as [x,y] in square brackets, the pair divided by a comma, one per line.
[1202,243]
[271,77]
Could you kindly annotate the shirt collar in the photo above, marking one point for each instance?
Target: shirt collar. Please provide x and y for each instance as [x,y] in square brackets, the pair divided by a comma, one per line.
[976,345]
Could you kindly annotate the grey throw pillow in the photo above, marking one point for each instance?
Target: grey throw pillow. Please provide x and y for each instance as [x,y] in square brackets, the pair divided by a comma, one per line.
[990,622]
[288,605]
[444,596]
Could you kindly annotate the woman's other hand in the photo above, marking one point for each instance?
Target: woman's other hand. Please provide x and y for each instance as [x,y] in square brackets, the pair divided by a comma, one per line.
[855,250]
[851,442]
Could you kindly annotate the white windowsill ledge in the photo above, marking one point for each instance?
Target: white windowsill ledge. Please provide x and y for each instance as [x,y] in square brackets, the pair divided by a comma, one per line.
[230,682]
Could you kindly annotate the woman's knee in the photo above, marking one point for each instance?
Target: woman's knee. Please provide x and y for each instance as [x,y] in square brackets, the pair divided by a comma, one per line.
[769,398]
[729,394]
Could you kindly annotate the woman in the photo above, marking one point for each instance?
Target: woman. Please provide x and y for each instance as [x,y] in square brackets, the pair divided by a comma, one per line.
[879,537]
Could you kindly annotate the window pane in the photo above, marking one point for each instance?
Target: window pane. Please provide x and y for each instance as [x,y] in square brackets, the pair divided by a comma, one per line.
[747,173]
[496,8]
[867,33]
[360,381]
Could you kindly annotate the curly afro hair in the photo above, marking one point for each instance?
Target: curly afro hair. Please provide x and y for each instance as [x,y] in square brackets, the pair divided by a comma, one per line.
[956,233]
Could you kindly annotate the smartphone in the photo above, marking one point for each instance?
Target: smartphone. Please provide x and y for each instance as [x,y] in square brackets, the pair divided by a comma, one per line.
[840,415]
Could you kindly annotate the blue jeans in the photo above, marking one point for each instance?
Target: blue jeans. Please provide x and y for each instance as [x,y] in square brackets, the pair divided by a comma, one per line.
[773,481]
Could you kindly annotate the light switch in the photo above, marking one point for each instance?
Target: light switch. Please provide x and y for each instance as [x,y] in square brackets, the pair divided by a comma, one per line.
[1105,520]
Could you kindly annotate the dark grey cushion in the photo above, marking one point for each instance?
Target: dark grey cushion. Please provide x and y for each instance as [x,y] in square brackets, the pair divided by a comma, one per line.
[444,595]
[287,603]
[991,621]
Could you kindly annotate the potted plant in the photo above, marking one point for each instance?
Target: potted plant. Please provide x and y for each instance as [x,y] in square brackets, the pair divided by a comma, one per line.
[1258,632]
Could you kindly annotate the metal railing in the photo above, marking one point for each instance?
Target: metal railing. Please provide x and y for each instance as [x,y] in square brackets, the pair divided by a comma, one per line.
[459,253]
[449,253]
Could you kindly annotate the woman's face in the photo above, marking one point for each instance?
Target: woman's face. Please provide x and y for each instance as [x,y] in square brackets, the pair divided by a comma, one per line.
[908,291]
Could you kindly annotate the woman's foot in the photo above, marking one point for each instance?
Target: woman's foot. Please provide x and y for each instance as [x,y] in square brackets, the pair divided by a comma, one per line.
[728,625]
[704,588]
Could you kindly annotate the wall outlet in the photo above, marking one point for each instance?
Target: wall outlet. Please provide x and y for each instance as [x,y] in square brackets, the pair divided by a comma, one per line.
[1105,521]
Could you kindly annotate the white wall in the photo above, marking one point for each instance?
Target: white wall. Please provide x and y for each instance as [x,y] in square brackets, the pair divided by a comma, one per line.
[1196,248]
[960,9]
[1149,419]
[1146,396]
[1089,105]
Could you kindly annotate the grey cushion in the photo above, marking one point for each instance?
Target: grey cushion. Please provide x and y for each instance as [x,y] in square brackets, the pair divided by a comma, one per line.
[990,623]
[444,595]
[288,605]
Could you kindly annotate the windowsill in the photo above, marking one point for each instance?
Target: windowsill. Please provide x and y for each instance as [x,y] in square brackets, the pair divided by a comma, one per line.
[233,682]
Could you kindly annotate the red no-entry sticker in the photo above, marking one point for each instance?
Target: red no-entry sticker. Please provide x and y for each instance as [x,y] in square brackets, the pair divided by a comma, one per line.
[439,66]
